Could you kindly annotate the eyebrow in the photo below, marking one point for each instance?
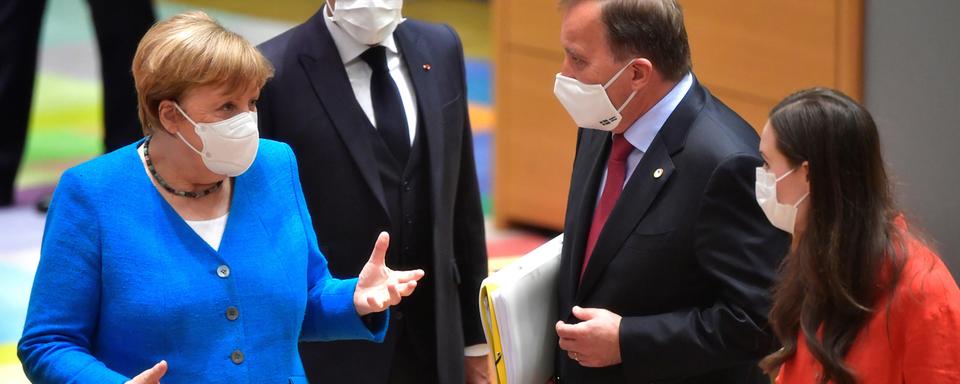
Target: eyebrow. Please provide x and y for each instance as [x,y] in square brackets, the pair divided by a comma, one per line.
[571,52]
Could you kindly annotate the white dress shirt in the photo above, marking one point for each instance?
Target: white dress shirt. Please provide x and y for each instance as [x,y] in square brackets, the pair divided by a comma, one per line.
[359,72]
[641,132]
[211,231]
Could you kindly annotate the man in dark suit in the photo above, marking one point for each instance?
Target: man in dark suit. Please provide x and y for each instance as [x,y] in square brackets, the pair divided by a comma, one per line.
[378,120]
[119,25]
[667,259]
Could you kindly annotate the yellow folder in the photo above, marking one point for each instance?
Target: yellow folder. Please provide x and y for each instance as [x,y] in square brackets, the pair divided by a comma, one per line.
[518,308]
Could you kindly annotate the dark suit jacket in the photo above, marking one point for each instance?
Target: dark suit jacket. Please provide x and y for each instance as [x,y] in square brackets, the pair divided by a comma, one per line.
[310,105]
[688,259]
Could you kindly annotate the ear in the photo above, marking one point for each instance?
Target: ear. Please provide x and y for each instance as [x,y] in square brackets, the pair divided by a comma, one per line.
[642,70]
[805,170]
[170,118]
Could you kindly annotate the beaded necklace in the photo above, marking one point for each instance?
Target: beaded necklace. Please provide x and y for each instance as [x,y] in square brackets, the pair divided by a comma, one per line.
[167,187]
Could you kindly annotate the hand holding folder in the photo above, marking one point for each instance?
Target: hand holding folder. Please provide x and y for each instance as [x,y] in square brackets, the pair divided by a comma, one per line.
[518,306]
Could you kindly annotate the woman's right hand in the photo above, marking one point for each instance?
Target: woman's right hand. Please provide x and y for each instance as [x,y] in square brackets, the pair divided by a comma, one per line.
[152,375]
[378,286]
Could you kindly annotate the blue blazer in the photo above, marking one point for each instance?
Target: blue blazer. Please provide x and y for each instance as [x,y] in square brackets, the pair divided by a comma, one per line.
[124,282]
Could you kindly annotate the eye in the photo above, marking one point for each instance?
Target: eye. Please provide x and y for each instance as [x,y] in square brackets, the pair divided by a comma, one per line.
[574,58]
[763,159]
[228,107]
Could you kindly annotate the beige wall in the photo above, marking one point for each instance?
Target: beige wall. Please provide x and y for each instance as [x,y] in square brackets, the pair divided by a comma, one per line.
[913,91]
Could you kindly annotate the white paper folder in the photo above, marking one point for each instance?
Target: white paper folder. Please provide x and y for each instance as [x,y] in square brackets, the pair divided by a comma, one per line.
[518,306]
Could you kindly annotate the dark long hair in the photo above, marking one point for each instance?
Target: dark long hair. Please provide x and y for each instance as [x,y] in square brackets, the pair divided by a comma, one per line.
[850,251]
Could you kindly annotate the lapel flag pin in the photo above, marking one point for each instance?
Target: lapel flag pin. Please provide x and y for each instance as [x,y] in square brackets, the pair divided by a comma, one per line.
[426,67]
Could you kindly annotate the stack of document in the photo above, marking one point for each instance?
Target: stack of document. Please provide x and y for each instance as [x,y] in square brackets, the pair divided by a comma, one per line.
[518,306]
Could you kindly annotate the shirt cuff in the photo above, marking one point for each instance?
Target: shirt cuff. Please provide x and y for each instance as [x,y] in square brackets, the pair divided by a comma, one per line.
[476,350]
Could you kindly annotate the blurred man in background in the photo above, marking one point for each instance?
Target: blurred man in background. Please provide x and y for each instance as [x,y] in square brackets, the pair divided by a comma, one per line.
[119,26]
[375,108]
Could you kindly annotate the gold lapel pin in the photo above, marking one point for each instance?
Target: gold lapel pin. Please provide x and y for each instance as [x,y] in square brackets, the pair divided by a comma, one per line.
[658,173]
[426,67]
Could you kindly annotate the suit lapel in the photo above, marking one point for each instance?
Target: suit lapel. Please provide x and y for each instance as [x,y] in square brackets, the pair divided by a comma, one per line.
[594,147]
[635,200]
[330,83]
[642,188]
[416,56]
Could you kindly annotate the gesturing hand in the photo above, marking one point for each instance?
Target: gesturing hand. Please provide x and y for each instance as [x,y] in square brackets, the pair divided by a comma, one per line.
[152,375]
[380,287]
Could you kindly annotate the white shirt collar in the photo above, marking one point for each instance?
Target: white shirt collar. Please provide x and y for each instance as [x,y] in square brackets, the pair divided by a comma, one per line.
[348,47]
[642,131]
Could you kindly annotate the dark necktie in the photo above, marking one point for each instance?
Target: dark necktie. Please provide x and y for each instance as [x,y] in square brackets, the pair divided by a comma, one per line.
[616,174]
[387,105]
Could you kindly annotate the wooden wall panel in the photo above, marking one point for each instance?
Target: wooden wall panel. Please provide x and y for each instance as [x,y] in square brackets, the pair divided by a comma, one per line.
[532,24]
[536,168]
[758,51]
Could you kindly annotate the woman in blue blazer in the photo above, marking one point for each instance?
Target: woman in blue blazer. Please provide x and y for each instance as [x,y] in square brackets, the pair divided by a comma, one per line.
[190,255]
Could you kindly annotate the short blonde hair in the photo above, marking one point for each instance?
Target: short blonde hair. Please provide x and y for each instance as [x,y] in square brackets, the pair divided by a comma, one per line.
[191,50]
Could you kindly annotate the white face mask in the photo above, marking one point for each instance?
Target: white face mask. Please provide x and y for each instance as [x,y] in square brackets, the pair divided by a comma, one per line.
[368,21]
[783,216]
[588,104]
[229,146]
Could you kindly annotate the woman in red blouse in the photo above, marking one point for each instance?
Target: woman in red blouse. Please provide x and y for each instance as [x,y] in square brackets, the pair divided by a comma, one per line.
[861,299]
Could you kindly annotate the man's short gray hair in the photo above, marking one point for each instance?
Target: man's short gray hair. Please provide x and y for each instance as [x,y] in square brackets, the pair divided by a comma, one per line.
[652,29]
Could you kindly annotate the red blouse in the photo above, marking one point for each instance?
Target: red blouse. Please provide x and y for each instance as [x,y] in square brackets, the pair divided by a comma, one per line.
[923,343]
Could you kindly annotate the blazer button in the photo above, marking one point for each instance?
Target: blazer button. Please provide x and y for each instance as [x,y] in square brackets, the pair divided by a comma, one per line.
[232,313]
[223,271]
[236,357]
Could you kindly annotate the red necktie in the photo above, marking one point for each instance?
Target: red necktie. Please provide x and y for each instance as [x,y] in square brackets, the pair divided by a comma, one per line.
[616,174]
